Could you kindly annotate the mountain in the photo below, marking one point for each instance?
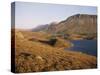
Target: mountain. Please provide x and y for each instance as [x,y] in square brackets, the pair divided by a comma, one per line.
[41,28]
[78,24]
[75,24]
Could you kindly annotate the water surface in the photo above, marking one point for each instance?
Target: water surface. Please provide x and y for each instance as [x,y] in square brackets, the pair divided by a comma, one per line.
[85,46]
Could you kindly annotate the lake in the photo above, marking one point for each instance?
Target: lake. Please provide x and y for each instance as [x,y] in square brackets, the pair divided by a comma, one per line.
[85,46]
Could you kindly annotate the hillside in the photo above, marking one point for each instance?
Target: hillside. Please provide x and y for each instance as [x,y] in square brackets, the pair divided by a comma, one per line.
[35,56]
[79,24]
[41,27]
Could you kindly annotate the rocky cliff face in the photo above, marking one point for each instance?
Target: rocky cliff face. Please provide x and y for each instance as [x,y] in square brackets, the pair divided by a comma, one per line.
[76,24]
[79,23]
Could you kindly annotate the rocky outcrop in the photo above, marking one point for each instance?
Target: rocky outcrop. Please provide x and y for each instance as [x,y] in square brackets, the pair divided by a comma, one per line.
[78,24]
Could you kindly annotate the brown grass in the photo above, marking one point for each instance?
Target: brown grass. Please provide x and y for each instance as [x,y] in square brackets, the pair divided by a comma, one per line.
[33,56]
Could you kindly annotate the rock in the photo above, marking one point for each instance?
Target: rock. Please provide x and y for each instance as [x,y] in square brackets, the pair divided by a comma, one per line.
[39,58]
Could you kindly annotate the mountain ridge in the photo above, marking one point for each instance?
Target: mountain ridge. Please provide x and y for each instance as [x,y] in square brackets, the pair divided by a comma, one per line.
[73,24]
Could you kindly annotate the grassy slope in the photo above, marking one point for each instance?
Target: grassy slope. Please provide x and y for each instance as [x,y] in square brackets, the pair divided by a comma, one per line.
[32,56]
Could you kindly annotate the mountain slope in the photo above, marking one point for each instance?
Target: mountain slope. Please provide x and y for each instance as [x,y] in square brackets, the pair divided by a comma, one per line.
[41,27]
[76,24]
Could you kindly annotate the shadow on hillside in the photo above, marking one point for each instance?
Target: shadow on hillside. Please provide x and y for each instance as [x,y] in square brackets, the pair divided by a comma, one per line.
[50,42]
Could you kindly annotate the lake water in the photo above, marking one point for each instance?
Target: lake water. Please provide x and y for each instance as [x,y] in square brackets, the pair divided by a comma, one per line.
[85,46]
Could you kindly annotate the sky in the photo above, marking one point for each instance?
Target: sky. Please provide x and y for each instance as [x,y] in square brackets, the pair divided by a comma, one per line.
[29,15]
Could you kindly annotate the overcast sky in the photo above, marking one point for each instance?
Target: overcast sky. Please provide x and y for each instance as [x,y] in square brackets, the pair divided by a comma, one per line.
[30,15]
